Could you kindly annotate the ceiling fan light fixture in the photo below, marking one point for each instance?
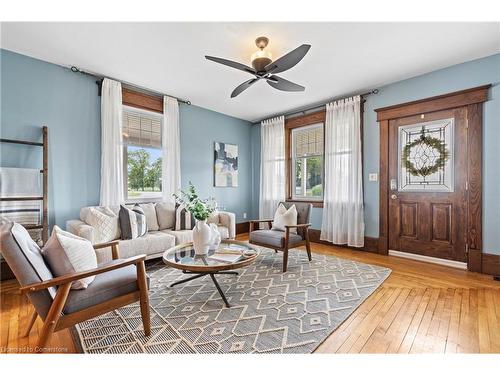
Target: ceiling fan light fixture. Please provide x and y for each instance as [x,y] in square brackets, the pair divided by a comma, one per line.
[260,59]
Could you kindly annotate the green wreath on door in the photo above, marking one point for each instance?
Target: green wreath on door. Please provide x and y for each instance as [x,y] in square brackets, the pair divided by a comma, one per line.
[425,171]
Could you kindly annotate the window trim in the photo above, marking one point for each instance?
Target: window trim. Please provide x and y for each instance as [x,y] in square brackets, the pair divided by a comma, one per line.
[125,156]
[294,123]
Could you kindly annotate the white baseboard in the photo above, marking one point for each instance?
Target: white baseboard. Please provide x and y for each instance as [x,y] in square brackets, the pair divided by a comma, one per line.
[423,258]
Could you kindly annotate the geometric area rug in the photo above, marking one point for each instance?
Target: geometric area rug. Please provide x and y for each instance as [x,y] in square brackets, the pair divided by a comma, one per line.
[271,311]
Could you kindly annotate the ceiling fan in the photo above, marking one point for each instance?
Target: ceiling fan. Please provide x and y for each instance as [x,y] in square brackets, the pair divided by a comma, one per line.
[265,68]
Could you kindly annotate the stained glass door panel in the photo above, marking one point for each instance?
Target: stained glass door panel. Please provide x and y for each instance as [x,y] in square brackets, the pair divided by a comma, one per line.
[425,160]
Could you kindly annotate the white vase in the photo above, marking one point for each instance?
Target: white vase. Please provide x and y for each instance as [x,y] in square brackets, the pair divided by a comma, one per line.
[201,237]
[215,237]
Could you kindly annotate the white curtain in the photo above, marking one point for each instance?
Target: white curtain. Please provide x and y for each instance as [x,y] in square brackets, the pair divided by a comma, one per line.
[343,219]
[171,149]
[112,184]
[272,166]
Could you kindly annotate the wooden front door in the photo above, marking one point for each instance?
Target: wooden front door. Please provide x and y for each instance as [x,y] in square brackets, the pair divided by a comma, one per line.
[427,200]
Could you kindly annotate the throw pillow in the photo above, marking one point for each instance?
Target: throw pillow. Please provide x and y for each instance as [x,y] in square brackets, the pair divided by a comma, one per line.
[284,217]
[105,222]
[183,218]
[165,213]
[66,253]
[132,222]
[150,212]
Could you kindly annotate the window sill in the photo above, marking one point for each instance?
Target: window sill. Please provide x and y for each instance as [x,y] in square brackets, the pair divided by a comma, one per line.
[315,203]
[144,200]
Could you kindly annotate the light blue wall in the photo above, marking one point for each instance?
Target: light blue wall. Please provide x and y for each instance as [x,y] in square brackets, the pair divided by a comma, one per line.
[35,93]
[200,128]
[454,78]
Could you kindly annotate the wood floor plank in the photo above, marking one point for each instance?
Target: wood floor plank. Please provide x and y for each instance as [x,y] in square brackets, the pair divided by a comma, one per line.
[468,333]
[371,323]
[415,323]
[493,322]
[397,332]
[418,343]
[438,331]
[483,323]
[444,325]
[431,342]
[375,342]
[454,328]
[356,331]
[5,321]
[14,324]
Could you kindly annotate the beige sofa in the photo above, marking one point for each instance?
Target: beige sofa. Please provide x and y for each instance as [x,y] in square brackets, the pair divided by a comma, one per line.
[155,242]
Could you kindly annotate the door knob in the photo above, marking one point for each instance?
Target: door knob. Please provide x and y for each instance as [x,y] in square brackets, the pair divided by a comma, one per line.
[394,196]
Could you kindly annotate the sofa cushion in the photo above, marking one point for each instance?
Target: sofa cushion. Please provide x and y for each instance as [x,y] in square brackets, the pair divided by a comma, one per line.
[165,213]
[105,222]
[303,213]
[183,218]
[150,212]
[151,243]
[132,222]
[213,218]
[84,211]
[181,236]
[274,237]
[106,286]
[66,253]
[224,232]
[284,217]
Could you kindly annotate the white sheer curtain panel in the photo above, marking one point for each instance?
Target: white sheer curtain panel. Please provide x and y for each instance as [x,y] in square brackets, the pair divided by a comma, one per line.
[272,166]
[343,217]
[171,149]
[112,183]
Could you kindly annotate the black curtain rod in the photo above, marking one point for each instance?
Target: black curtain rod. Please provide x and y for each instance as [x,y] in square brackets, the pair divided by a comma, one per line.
[315,106]
[74,69]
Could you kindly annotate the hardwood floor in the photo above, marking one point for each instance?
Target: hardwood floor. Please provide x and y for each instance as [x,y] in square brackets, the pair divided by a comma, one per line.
[420,308]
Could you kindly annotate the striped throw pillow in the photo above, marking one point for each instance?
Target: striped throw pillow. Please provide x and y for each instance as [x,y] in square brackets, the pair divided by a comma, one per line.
[132,222]
[183,218]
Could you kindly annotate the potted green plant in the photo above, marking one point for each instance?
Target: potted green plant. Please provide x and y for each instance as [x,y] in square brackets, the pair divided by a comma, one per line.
[201,209]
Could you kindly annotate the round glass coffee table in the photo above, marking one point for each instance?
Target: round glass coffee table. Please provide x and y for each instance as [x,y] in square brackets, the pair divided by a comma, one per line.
[228,256]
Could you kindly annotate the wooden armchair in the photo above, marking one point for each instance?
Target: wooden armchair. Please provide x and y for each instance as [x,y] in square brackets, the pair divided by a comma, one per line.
[117,283]
[283,241]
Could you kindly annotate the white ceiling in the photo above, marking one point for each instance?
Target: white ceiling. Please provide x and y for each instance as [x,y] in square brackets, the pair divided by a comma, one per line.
[345,58]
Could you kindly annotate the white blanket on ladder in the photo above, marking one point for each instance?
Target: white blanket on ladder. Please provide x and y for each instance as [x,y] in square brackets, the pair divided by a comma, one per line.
[21,182]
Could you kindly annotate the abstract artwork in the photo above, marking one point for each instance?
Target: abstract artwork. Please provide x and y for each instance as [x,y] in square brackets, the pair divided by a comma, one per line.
[426,156]
[225,165]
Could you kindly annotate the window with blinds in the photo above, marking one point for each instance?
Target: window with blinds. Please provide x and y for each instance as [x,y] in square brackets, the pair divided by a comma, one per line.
[307,162]
[141,129]
[308,141]
[142,154]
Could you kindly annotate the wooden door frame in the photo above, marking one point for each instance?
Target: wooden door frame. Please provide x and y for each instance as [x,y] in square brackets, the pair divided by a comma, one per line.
[472,99]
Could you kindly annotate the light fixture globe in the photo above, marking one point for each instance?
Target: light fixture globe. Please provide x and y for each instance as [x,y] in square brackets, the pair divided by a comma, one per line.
[261,58]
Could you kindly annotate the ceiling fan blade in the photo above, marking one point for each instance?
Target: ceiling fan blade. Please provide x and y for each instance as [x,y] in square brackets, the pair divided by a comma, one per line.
[289,60]
[245,85]
[283,84]
[232,64]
